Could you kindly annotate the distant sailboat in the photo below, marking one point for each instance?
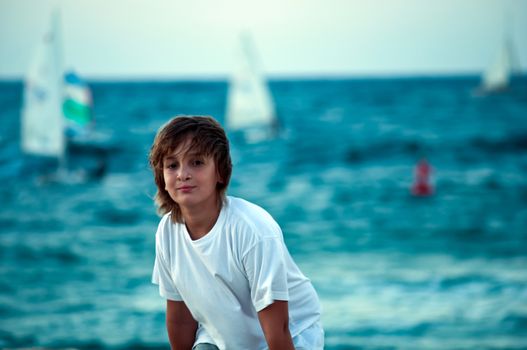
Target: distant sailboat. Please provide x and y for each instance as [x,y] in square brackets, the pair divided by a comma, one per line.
[250,107]
[497,76]
[57,106]
[78,106]
[42,119]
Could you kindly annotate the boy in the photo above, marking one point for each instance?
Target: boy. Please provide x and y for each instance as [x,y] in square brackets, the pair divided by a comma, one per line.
[221,262]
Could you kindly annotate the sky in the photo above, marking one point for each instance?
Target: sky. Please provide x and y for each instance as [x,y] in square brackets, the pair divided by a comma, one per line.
[171,39]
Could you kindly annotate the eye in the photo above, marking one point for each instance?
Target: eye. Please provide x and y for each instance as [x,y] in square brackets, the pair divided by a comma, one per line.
[197,162]
[172,165]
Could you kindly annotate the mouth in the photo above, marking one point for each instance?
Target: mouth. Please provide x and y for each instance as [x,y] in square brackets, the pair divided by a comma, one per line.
[186,188]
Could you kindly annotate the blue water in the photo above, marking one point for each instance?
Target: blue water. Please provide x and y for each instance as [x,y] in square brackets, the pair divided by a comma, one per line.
[392,271]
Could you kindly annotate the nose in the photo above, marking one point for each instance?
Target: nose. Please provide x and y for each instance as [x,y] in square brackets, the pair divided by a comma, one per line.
[184,173]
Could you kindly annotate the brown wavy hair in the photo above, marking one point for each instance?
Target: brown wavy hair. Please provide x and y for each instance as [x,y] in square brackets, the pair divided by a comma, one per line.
[207,139]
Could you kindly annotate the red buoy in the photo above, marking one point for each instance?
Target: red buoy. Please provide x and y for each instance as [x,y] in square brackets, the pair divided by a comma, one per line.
[422,185]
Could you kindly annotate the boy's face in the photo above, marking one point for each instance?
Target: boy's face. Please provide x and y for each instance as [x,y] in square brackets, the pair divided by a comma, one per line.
[190,179]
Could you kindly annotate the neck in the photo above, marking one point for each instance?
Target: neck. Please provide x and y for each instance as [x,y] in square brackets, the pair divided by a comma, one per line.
[200,221]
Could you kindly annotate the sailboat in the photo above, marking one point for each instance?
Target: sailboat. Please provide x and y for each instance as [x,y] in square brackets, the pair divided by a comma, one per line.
[42,119]
[250,107]
[497,77]
[77,106]
[57,106]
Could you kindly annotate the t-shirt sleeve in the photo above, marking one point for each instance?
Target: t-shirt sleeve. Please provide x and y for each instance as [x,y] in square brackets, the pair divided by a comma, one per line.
[161,274]
[266,272]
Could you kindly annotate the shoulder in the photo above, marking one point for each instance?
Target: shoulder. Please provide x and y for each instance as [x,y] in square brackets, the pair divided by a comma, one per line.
[165,228]
[250,217]
[165,221]
[168,237]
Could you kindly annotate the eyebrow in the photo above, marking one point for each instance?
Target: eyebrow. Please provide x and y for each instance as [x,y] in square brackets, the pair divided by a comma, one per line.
[175,157]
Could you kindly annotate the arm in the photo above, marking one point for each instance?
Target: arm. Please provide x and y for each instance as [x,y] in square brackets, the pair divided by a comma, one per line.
[274,320]
[181,326]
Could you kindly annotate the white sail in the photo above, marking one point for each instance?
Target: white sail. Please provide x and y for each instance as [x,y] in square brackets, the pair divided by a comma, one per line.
[498,74]
[249,103]
[42,118]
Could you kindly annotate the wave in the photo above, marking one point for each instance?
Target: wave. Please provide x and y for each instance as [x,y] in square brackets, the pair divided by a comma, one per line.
[418,329]
[510,144]
[13,341]
[25,254]
[473,148]
[516,323]
[387,149]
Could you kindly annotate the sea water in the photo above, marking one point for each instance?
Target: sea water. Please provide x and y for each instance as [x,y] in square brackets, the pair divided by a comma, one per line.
[393,271]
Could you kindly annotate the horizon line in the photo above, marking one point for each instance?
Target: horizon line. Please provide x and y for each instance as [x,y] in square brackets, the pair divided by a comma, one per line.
[270,77]
[273,77]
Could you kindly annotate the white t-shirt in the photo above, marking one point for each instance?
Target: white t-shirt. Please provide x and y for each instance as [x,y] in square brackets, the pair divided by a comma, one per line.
[240,267]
